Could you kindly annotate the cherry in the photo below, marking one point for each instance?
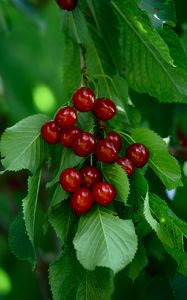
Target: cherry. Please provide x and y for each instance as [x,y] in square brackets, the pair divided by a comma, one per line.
[83,99]
[66,117]
[84,144]
[68,135]
[126,164]
[106,151]
[182,138]
[50,132]
[115,139]
[70,180]
[104,193]
[104,109]
[138,154]
[81,201]
[67,4]
[90,176]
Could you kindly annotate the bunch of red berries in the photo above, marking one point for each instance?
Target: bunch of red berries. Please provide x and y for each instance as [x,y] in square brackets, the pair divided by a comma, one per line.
[86,184]
[86,187]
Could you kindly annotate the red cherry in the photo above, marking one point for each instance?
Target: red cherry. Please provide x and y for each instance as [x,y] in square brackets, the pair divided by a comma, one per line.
[67,4]
[81,201]
[68,135]
[138,154]
[90,176]
[50,132]
[126,164]
[105,151]
[84,144]
[104,193]
[115,139]
[83,99]
[70,180]
[104,109]
[66,117]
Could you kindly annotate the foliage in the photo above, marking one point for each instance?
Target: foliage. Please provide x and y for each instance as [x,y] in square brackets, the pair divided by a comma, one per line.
[119,49]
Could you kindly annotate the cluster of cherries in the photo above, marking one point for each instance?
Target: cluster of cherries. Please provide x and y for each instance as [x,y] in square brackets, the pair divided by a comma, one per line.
[85,184]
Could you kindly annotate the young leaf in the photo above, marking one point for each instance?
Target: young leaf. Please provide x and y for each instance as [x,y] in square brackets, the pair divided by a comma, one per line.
[105,240]
[118,177]
[163,164]
[69,280]
[169,229]
[21,145]
[68,160]
[19,242]
[30,204]
[149,65]
[63,221]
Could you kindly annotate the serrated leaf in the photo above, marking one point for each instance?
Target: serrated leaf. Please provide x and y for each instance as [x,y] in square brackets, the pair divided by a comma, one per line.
[118,177]
[150,67]
[21,145]
[163,164]
[19,242]
[63,221]
[166,225]
[59,195]
[68,160]
[30,204]
[104,240]
[69,280]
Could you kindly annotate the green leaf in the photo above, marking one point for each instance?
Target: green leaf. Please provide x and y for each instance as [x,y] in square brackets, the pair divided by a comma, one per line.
[58,196]
[169,229]
[139,262]
[71,77]
[163,164]
[103,14]
[19,242]
[160,12]
[118,177]
[63,221]
[69,280]
[105,240]
[68,160]
[30,205]
[21,145]
[149,66]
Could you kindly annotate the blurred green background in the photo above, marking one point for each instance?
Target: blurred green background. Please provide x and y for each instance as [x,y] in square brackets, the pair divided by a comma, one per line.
[31,64]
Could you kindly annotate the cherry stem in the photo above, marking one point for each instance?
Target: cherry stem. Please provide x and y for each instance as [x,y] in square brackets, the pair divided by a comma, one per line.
[85,78]
[128,138]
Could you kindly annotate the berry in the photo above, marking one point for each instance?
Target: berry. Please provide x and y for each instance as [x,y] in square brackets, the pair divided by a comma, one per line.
[115,139]
[70,180]
[83,99]
[138,154]
[126,164]
[81,201]
[66,117]
[50,132]
[104,193]
[90,176]
[67,4]
[84,144]
[68,135]
[104,109]
[105,151]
